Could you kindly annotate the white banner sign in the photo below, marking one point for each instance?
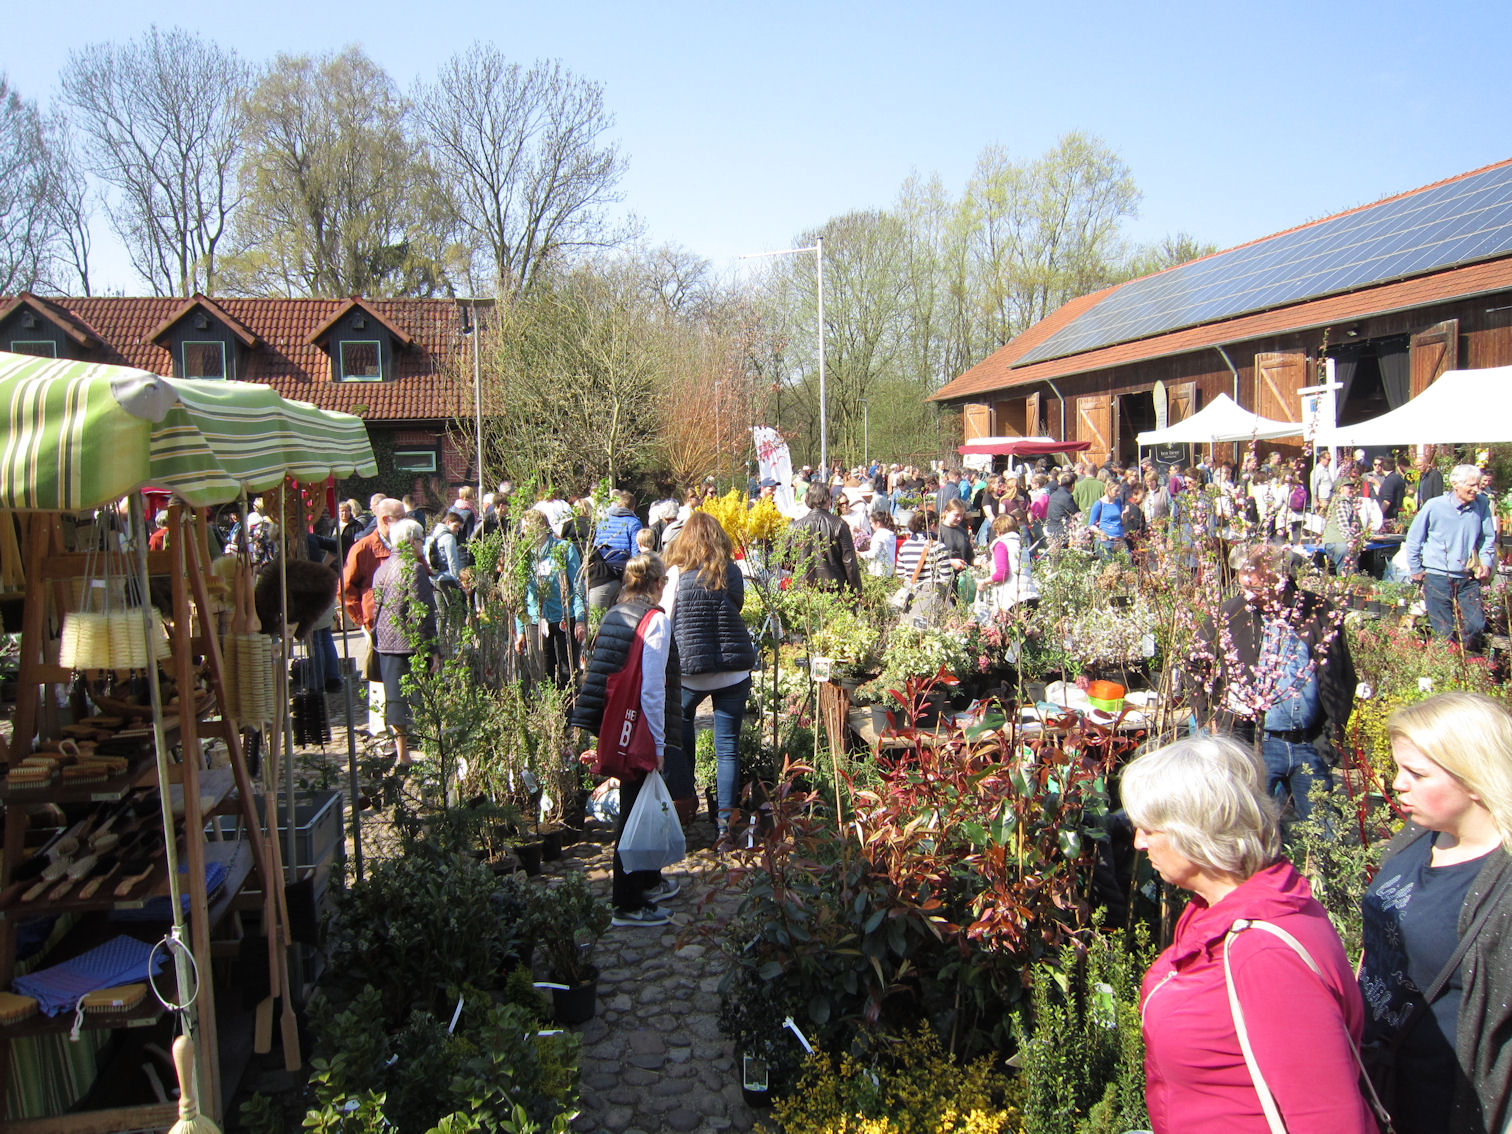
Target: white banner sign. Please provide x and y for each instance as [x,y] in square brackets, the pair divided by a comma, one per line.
[774,461]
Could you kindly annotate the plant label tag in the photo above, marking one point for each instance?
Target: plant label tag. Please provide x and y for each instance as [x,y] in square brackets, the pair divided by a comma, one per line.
[1147,645]
[820,668]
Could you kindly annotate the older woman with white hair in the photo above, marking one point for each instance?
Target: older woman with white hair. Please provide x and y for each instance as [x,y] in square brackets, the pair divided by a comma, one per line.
[1252,1017]
[1437,972]
[404,623]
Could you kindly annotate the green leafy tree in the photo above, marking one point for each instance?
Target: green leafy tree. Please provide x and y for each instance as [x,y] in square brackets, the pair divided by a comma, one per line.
[574,379]
[340,199]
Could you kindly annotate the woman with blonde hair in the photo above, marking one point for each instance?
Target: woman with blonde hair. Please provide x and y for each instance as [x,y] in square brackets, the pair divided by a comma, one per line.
[1437,971]
[1252,1016]
[704,594]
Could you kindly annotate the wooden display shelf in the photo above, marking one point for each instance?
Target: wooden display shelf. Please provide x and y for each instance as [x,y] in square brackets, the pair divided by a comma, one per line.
[108,790]
[148,1012]
[148,1116]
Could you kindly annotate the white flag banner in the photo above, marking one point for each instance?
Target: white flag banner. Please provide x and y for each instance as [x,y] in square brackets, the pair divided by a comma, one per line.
[774,461]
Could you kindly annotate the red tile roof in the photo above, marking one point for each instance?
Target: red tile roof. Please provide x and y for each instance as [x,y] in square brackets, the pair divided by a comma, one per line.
[198,301]
[284,358]
[996,371]
[71,326]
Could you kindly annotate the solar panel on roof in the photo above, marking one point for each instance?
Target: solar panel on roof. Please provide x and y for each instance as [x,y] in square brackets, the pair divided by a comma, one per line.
[1435,228]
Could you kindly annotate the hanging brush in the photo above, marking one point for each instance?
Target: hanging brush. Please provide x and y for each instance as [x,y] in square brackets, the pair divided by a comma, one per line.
[190,1121]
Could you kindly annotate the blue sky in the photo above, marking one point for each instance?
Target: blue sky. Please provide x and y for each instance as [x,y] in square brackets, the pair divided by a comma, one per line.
[748,123]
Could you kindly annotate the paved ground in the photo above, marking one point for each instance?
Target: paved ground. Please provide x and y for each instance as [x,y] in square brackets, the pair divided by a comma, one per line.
[653,1058]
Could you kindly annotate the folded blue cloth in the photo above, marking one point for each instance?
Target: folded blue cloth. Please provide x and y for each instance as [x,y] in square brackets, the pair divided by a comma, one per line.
[122,960]
[161,908]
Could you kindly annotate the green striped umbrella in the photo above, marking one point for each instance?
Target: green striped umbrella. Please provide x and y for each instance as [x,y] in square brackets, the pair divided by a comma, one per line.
[81,434]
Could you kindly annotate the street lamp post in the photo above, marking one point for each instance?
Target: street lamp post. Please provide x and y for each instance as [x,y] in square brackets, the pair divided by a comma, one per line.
[817,248]
[472,330]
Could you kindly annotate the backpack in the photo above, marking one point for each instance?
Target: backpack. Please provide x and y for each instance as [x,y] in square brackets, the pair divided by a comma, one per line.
[1297,502]
[625,743]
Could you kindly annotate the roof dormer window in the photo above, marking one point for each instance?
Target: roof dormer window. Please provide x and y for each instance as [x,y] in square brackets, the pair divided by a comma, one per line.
[203,359]
[204,340]
[361,360]
[361,342]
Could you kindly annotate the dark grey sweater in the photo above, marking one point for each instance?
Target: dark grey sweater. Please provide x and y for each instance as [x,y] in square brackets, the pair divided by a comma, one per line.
[1483,1042]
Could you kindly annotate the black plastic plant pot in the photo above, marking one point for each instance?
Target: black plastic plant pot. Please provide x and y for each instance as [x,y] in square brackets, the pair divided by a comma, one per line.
[755,1086]
[551,845]
[575,1004]
[529,855]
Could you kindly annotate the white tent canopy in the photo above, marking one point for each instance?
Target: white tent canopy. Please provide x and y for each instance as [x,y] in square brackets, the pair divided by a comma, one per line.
[1460,407]
[1222,419]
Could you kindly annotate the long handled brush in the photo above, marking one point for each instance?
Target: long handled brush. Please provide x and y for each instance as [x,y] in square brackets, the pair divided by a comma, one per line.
[190,1120]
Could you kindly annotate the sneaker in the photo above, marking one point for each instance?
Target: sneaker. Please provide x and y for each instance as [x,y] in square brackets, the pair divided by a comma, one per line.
[646,915]
[666,888]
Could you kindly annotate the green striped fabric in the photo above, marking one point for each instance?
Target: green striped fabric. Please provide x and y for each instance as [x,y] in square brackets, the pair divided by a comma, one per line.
[69,442]
[82,434]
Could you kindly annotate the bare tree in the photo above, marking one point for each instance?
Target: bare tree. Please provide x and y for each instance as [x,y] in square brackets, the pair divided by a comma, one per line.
[70,204]
[525,156]
[25,229]
[161,120]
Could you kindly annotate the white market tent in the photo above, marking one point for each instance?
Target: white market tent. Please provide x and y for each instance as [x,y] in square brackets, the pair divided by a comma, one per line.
[1222,419]
[1461,406]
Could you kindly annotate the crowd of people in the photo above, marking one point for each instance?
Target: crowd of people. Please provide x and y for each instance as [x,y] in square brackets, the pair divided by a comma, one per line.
[1252,1017]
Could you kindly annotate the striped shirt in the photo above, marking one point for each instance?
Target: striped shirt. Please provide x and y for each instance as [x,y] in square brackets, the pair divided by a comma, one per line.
[936,567]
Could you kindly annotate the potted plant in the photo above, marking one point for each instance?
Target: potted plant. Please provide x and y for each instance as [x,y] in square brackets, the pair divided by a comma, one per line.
[566,921]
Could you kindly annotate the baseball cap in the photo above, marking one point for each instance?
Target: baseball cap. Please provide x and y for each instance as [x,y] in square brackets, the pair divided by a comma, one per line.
[768,482]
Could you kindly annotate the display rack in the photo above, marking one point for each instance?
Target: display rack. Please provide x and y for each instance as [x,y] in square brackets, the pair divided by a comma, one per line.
[198,792]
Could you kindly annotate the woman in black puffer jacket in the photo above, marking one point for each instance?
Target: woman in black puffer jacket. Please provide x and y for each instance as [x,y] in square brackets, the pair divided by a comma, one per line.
[704,594]
[636,892]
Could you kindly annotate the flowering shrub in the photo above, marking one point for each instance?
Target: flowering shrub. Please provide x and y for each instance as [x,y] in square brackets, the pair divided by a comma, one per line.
[911,1087]
[1399,668]
[745,526]
[917,651]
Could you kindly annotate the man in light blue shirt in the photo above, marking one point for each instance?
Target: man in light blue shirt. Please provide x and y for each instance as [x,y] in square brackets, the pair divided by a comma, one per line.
[1451,547]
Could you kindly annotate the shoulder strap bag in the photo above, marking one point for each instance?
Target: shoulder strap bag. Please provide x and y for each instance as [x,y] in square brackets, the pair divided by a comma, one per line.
[1381,1057]
[1267,1100]
[903,598]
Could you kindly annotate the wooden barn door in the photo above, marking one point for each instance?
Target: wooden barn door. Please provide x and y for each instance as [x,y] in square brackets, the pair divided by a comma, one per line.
[1181,401]
[1278,377]
[1033,426]
[1094,423]
[1433,352]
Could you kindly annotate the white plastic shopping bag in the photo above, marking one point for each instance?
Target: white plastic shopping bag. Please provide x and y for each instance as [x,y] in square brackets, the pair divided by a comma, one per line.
[653,835]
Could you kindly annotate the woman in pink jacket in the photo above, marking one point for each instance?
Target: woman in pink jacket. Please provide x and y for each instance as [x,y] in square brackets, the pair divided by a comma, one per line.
[1254,955]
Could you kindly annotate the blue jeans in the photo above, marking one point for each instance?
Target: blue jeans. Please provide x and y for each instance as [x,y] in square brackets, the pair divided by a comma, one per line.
[323,657]
[1454,608]
[729,712]
[1291,768]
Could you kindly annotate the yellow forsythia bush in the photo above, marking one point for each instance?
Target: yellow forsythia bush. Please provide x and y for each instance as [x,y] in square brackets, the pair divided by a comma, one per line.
[920,1089]
[745,526]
